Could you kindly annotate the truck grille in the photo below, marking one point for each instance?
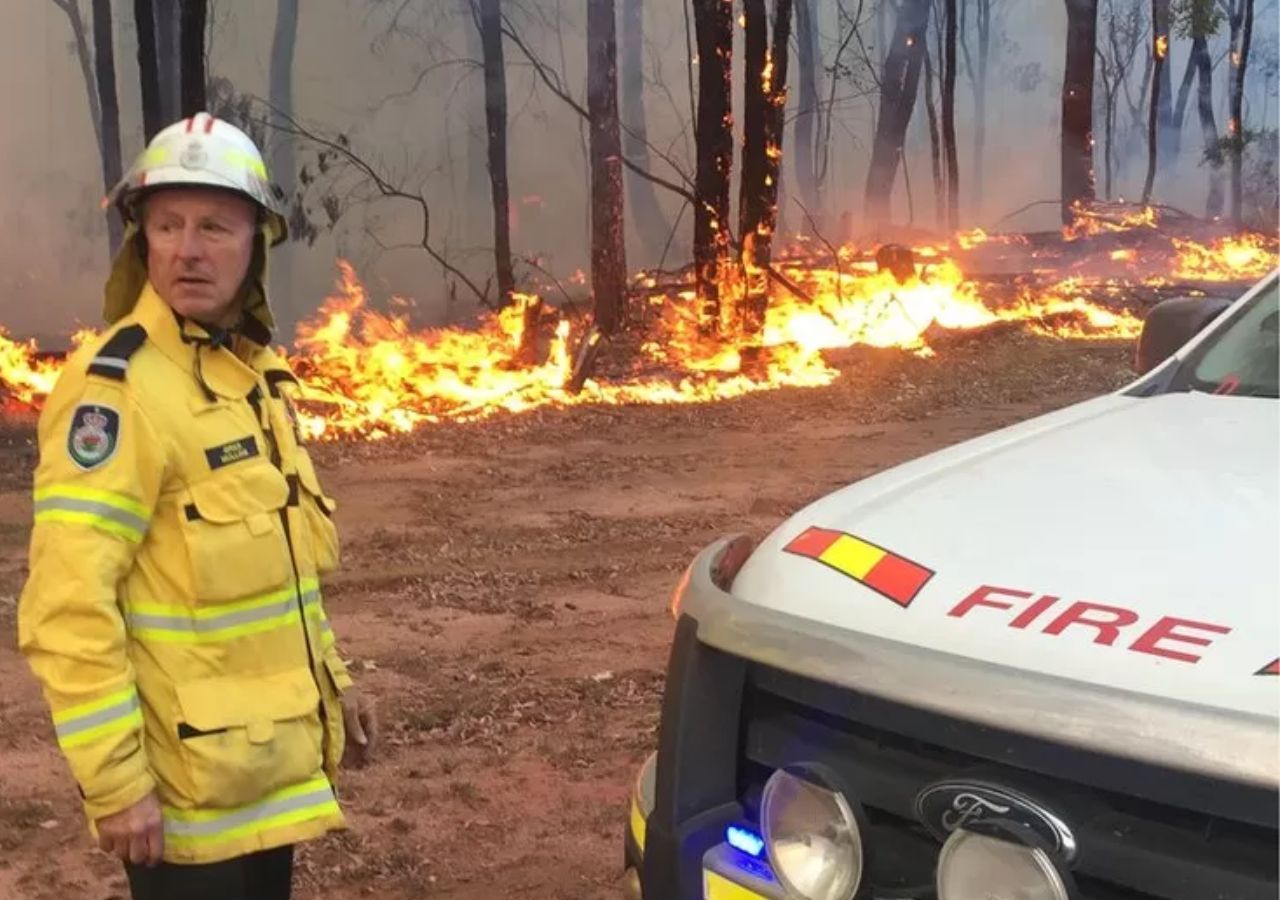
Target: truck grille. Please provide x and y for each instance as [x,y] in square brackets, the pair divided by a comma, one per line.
[1142,832]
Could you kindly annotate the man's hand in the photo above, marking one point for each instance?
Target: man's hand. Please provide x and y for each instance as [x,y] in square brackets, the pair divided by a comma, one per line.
[361,721]
[136,834]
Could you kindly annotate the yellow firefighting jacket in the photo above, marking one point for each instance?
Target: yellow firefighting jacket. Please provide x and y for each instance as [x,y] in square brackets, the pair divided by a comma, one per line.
[173,609]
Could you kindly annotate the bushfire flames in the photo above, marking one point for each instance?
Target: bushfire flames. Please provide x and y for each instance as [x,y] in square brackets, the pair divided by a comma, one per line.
[371,374]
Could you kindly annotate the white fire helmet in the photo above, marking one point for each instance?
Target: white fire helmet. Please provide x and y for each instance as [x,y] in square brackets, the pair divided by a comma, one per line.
[202,151]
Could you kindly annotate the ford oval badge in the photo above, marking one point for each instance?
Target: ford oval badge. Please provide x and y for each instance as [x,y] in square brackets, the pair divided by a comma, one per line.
[948,805]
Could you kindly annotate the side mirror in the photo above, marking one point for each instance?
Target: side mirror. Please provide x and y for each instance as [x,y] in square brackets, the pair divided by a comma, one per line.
[1170,324]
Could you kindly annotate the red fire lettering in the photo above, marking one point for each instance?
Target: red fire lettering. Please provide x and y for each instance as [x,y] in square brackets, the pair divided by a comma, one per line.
[1033,611]
[1166,630]
[1108,629]
[982,597]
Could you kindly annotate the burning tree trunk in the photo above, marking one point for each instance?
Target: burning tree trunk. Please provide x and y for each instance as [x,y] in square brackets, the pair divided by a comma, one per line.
[1235,124]
[1077,105]
[755,63]
[608,253]
[1159,50]
[153,113]
[764,97]
[713,22]
[899,83]
[191,29]
[104,65]
[805,148]
[650,223]
[950,158]
[489,21]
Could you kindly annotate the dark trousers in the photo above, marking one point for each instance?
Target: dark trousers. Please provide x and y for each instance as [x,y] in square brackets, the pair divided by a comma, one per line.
[259,876]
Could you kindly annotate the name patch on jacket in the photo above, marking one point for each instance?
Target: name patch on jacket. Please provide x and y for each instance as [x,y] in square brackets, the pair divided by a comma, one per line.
[233,452]
[94,435]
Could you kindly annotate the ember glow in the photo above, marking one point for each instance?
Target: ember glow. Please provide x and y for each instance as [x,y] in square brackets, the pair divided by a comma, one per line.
[370,374]
[1092,221]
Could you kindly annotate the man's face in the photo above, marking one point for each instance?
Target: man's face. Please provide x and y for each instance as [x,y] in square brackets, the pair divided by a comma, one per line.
[199,246]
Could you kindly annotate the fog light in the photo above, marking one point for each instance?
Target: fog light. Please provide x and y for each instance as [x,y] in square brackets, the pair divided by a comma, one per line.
[977,867]
[811,835]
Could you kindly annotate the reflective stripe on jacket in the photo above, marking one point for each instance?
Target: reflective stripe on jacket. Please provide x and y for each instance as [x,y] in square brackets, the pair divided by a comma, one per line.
[173,612]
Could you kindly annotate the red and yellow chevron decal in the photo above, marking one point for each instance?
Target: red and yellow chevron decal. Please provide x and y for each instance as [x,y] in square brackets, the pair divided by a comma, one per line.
[885,572]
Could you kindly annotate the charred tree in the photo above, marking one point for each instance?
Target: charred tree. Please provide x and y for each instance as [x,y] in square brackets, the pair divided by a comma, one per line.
[1077,105]
[153,113]
[935,144]
[193,20]
[284,167]
[764,96]
[1159,50]
[98,70]
[1166,137]
[806,114]
[1242,10]
[950,159]
[899,84]
[488,15]
[284,41]
[167,20]
[713,24]
[1208,123]
[608,246]
[979,77]
[104,68]
[775,95]
[755,61]
[651,225]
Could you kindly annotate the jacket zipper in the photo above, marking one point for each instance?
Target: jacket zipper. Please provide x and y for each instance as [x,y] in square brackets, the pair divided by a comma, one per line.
[255,400]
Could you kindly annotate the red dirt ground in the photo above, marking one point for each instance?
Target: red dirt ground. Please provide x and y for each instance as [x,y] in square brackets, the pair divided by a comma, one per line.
[503,594]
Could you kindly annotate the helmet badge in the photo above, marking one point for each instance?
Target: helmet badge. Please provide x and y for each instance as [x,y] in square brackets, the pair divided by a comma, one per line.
[194,156]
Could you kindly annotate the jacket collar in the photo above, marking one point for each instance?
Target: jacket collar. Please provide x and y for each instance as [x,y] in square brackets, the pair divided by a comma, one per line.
[225,373]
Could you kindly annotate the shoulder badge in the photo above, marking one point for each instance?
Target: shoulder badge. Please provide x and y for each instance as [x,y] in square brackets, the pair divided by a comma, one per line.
[94,435]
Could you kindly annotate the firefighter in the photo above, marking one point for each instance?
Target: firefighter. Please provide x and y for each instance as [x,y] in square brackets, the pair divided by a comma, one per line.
[173,612]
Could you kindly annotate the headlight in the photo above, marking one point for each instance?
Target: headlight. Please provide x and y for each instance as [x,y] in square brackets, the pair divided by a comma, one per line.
[975,865]
[811,835]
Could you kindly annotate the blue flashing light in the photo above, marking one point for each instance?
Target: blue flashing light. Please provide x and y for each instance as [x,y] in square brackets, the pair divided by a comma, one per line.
[745,839]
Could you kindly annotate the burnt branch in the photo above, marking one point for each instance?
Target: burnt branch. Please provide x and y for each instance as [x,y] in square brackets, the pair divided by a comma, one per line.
[341,147]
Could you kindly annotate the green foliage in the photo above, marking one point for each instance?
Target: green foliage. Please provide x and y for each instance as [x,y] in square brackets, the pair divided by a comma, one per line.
[1196,18]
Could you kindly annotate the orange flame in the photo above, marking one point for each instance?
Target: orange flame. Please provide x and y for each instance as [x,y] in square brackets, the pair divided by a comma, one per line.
[1091,222]
[372,374]
[27,377]
[1240,258]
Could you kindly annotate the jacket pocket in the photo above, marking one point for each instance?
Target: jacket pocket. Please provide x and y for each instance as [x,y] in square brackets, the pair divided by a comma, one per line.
[242,738]
[234,535]
[317,513]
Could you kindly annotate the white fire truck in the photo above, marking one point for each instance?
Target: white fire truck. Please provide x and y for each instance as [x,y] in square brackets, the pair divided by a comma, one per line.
[1039,665]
